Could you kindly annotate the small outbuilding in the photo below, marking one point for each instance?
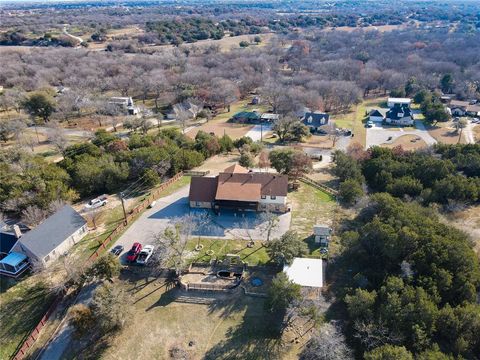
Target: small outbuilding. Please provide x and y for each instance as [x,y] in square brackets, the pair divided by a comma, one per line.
[14,264]
[305,272]
[322,234]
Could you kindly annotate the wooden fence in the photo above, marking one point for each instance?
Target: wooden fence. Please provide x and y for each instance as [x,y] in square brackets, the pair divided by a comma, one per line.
[32,337]
[319,186]
[196,173]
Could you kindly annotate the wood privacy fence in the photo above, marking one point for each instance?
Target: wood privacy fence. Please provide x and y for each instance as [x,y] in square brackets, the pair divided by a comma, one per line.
[32,337]
[319,186]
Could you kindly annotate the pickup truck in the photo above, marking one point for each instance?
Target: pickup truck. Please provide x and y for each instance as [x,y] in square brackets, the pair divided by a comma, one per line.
[96,203]
[145,255]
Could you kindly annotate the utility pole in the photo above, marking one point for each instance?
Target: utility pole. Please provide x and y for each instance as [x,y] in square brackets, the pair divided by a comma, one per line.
[261,132]
[124,211]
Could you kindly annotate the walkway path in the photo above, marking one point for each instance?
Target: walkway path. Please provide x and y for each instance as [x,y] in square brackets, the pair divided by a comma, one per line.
[378,134]
[62,337]
[257,131]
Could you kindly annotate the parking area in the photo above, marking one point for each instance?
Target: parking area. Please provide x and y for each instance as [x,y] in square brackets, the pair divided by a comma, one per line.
[379,134]
[228,224]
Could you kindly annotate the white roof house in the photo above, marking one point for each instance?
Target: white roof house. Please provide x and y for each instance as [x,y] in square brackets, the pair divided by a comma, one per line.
[402,101]
[305,272]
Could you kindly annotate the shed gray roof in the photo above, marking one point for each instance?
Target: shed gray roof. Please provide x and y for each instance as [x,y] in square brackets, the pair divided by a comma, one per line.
[53,231]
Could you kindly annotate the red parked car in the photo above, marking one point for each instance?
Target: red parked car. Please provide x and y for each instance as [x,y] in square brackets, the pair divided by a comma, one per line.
[134,251]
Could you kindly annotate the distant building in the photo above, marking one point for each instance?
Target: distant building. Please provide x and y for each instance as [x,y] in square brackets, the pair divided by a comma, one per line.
[391,102]
[125,103]
[53,237]
[399,115]
[315,120]
[305,272]
[269,117]
[238,189]
[376,115]
[246,117]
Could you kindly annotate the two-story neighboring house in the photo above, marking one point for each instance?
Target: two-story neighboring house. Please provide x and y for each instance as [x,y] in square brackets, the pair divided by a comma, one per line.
[238,189]
[315,120]
[399,114]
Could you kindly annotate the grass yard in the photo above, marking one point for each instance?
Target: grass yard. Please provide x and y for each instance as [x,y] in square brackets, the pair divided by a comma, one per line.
[445,133]
[355,119]
[257,255]
[22,304]
[205,325]
[407,142]
[220,126]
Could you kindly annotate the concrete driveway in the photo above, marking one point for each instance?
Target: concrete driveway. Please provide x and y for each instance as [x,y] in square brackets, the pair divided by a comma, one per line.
[378,134]
[227,225]
[256,132]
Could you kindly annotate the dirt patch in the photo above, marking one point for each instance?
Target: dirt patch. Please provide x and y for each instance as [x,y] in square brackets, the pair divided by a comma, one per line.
[407,142]
[235,131]
[319,141]
[476,133]
[218,163]
[446,134]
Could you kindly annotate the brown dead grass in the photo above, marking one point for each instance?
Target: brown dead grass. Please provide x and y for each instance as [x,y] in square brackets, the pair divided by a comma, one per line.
[318,141]
[218,163]
[235,131]
[445,133]
[476,133]
[408,142]
[467,220]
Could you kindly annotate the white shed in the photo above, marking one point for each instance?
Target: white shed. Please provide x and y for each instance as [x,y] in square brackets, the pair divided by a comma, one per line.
[400,101]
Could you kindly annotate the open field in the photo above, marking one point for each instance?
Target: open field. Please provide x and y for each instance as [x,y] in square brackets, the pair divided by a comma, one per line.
[310,206]
[218,163]
[407,142]
[467,220]
[445,133]
[206,326]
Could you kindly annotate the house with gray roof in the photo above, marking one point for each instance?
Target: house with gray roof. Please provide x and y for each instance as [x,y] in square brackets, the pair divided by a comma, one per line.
[399,114]
[53,237]
[315,120]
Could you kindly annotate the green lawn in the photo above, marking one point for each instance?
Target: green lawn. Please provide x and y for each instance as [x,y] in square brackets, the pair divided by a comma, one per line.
[22,304]
[257,255]
[311,206]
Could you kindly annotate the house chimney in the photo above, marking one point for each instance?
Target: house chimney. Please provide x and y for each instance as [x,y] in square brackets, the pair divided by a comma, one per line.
[17,231]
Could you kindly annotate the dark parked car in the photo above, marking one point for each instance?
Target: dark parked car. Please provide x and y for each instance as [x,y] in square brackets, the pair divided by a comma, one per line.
[117,250]
[134,251]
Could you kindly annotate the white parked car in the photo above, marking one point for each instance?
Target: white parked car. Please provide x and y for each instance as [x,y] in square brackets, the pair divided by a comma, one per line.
[96,203]
[145,255]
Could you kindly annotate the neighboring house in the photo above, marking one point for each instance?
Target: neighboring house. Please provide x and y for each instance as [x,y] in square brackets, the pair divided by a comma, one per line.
[53,237]
[399,115]
[473,110]
[7,240]
[269,117]
[305,272]
[187,107]
[459,108]
[238,189]
[246,117]
[315,120]
[376,115]
[322,234]
[391,102]
[126,103]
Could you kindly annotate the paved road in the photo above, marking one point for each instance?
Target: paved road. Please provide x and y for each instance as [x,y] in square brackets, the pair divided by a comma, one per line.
[45,130]
[226,225]
[255,133]
[62,337]
[378,135]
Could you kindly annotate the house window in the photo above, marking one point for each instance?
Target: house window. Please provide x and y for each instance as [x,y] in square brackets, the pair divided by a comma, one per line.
[322,121]
[264,196]
[53,252]
[46,258]
[309,120]
[197,203]
[273,197]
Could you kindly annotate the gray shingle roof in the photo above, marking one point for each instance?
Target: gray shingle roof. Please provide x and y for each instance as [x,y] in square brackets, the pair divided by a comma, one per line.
[394,112]
[53,231]
[315,119]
